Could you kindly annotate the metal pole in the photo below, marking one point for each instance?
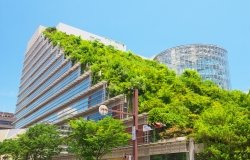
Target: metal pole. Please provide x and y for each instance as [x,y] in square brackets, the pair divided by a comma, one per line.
[135,124]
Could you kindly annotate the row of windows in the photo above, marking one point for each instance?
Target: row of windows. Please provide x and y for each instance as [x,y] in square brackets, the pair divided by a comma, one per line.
[195,63]
[4,122]
[213,67]
[41,77]
[63,98]
[215,73]
[65,113]
[190,53]
[47,57]
[28,65]
[6,115]
[37,69]
[179,58]
[215,78]
[30,54]
[211,71]
[97,98]
[70,78]
[94,100]
[199,48]
[199,64]
[202,70]
[35,43]
[47,82]
[42,87]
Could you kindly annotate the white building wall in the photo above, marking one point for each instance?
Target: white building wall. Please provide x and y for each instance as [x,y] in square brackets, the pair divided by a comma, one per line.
[89,36]
[78,32]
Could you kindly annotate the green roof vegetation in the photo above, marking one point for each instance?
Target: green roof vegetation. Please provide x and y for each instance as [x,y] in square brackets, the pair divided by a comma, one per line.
[185,103]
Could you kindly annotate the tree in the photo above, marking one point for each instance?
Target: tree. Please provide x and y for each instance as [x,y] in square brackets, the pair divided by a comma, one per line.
[225,132]
[11,147]
[91,140]
[40,142]
[177,121]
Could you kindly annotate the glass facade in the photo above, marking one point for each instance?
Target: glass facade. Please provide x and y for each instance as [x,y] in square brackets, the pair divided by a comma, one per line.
[52,88]
[209,60]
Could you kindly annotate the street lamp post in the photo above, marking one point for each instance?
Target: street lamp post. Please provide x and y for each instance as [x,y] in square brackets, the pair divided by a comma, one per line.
[135,124]
[104,110]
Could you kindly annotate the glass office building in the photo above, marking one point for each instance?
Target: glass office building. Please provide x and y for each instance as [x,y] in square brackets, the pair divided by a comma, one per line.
[53,89]
[209,60]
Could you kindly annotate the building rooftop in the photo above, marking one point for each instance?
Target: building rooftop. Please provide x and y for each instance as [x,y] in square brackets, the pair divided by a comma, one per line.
[6,120]
[78,32]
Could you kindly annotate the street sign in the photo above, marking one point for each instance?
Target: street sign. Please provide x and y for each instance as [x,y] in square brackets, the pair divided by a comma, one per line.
[133,133]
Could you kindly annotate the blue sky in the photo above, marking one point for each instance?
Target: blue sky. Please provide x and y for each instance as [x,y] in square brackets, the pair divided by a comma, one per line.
[146,27]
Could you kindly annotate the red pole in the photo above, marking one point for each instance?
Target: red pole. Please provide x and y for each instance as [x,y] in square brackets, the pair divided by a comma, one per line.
[135,124]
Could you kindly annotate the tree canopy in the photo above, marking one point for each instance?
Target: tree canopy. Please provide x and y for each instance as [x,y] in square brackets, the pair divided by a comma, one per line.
[91,140]
[39,142]
[11,147]
[225,130]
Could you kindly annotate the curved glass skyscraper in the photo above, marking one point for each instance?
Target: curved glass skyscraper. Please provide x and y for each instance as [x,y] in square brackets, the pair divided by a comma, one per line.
[209,60]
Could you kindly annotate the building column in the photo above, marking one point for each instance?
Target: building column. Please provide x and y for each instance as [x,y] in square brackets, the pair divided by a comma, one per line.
[191,149]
